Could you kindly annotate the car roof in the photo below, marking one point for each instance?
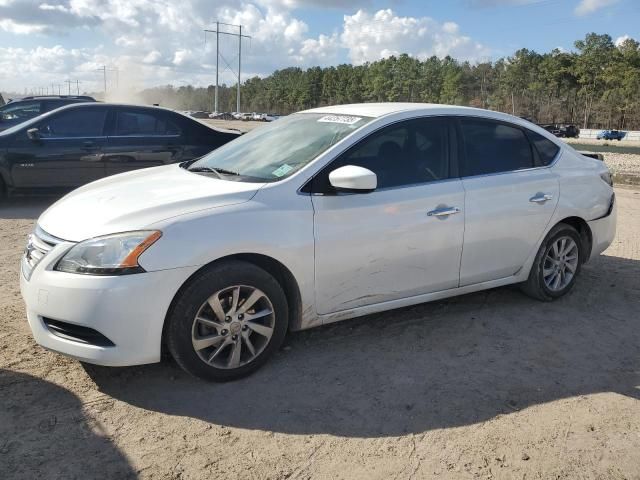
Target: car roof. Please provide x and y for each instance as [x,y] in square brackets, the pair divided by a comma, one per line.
[377,110]
[387,108]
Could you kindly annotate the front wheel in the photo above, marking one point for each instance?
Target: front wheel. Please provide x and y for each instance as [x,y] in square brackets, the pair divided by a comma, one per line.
[227,321]
[557,264]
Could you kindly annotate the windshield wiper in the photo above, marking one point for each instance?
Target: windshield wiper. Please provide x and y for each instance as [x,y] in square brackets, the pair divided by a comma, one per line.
[217,171]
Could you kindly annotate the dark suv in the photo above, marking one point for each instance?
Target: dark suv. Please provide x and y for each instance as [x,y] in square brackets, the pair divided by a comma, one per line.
[17,111]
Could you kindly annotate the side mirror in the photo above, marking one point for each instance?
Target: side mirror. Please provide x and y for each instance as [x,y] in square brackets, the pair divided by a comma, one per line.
[33,134]
[353,179]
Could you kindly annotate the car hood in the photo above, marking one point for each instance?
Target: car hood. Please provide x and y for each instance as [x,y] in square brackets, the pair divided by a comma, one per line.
[136,200]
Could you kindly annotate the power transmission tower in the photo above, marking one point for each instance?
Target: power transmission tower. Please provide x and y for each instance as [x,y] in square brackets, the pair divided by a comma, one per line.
[240,37]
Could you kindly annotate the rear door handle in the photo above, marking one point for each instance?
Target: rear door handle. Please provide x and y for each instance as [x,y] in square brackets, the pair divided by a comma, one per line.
[541,198]
[89,146]
[443,212]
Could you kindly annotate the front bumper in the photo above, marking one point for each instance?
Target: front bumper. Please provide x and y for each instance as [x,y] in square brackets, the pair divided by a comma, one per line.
[129,310]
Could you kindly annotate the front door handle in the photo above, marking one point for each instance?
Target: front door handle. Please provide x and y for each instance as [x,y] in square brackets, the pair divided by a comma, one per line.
[443,212]
[541,198]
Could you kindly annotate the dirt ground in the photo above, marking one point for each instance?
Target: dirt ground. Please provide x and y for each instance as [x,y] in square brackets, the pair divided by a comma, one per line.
[488,385]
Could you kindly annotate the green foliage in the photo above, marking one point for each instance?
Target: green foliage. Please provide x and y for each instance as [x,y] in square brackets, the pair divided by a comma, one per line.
[597,86]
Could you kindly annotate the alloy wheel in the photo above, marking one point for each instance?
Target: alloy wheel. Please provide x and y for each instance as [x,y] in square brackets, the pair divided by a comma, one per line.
[233,327]
[560,263]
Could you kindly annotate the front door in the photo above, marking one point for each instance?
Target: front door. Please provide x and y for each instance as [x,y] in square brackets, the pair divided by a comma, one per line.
[397,241]
[67,154]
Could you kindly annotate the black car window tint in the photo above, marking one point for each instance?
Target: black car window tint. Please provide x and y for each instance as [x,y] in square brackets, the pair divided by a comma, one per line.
[20,110]
[87,122]
[143,124]
[406,153]
[493,147]
[547,150]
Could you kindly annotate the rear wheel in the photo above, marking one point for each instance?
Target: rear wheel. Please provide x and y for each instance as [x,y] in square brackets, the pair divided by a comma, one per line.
[557,264]
[227,322]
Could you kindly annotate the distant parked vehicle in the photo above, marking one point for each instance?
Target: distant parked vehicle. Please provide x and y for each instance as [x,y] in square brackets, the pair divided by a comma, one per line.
[199,114]
[611,135]
[562,130]
[17,111]
[222,116]
[80,143]
[569,131]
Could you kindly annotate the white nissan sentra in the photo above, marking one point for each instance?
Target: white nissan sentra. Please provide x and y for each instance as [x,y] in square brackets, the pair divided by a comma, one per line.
[320,216]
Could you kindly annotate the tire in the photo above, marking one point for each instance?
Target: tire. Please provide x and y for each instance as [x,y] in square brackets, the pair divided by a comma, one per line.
[541,283]
[193,321]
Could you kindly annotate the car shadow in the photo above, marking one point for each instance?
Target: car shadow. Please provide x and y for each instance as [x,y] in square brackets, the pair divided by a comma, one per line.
[45,433]
[25,207]
[437,365]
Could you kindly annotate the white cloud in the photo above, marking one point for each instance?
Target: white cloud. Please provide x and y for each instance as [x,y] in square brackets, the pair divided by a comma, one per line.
[161,41]
[585,7]
[620,40]
[372,37]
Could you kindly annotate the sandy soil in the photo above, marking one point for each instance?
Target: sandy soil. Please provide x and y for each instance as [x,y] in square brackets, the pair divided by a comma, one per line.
[488,385]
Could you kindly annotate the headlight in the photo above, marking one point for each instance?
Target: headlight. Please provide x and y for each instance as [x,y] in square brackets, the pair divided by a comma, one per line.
[109,255]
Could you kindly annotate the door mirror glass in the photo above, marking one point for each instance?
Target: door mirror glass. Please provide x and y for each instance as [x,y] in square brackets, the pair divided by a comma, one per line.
[33,134]
[353,179]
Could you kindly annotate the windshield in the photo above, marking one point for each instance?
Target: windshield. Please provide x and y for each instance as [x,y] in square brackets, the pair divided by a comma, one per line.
[279,149]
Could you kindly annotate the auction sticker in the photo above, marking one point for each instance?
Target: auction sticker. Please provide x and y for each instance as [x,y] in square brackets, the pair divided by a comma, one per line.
[344,119]
[282,170]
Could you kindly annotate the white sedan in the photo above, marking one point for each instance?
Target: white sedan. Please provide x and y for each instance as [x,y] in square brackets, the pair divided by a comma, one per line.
[325,215]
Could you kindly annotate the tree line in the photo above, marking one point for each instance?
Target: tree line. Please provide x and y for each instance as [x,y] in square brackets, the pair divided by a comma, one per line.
[596,86]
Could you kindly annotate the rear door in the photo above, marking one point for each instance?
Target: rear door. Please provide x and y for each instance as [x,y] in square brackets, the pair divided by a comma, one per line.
[510,196]
[140,138]
[67,154]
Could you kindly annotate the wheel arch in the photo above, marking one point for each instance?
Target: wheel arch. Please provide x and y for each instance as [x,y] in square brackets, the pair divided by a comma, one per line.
[584,230]
[274,267]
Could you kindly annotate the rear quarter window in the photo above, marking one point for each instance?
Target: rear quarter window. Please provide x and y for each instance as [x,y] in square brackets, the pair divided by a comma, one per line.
[547,150]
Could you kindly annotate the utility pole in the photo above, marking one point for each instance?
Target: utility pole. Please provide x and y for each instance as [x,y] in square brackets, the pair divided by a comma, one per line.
[77,87]
[239,65]
[217,57]
[68,82]
[240,37]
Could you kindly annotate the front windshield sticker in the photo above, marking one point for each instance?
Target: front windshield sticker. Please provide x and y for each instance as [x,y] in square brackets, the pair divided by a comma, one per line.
[282,170]
[344,119]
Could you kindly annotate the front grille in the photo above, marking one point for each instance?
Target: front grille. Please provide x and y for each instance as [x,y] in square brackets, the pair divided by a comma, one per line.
[77,333]
[39,244]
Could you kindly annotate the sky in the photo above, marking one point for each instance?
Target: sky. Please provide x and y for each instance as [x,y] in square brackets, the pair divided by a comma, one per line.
[143,43]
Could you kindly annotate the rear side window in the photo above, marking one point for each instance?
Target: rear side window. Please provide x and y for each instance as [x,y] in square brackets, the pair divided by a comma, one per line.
[547,150]
[88,122]
[143,124]
[493,147]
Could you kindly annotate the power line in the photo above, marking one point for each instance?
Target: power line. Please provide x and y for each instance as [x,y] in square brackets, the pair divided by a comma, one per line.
[240,36]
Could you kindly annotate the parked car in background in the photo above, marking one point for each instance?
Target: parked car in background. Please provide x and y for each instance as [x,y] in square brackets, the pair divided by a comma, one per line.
[569,131]
[80,143]
[611,135]
[199,114]
[562,130]
[17,111]
[324,215]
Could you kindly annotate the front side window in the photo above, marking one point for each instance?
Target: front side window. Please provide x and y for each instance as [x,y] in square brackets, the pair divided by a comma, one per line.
[18,111]
[138,123]
[407,153]
[88,122]
[279,149]
[493,147]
